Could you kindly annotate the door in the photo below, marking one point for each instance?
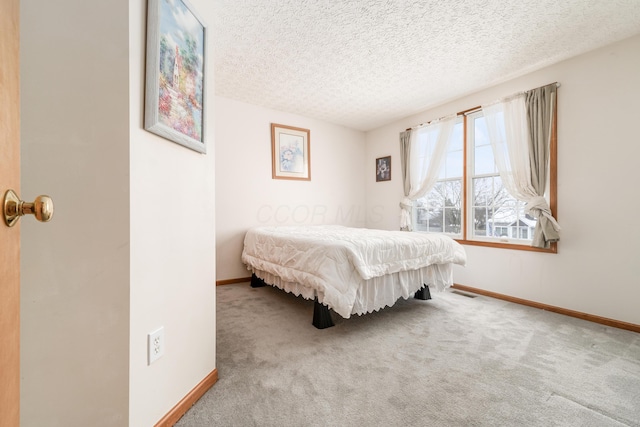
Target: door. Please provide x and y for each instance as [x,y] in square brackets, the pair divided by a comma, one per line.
[9,237]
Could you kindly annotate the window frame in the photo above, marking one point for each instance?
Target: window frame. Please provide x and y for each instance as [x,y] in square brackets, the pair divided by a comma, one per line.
[466,188]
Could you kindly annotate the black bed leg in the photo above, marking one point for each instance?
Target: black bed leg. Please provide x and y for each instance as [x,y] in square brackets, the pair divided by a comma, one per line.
[321,316]
[257,282]
[423,293]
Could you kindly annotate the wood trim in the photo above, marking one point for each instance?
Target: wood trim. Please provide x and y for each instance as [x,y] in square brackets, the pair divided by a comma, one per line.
[553,167]
[232,281]
[469,110]
[572,313]
[187,402]
[9,237]
[553,249]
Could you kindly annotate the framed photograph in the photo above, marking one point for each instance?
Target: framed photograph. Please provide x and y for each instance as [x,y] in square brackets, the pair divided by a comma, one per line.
[290,152]
[175,76]
[383,168]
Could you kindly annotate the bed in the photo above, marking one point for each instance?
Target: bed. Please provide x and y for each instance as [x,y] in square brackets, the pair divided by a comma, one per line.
[350,270]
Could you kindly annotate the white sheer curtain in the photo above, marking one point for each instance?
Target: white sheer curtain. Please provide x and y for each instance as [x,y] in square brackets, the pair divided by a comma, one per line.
[426,155]
[508,130]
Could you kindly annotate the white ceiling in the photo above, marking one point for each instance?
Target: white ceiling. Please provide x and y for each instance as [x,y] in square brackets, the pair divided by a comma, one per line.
[365,63]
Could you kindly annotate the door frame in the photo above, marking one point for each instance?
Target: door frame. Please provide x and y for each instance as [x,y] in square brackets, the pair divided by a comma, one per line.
[9,236]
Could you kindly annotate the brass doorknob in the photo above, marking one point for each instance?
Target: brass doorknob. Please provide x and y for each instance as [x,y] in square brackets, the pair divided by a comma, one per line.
[14,208]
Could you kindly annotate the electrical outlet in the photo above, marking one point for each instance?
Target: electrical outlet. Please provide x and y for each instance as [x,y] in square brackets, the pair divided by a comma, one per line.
[155,345]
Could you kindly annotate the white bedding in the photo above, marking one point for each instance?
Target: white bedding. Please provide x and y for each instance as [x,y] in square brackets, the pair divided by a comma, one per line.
[351,270]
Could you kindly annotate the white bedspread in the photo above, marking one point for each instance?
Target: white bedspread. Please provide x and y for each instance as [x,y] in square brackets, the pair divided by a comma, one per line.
[334,262]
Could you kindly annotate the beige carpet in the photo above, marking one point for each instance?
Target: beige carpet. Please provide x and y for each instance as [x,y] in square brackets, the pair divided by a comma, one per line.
[450,361]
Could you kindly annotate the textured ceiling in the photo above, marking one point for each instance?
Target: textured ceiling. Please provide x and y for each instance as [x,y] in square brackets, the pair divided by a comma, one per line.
[365,63]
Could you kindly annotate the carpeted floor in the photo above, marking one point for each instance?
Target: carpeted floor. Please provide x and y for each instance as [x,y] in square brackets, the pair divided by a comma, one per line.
[450,361]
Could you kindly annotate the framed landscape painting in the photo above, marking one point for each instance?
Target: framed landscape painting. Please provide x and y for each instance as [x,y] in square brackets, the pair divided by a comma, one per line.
[175,76]
[290,152]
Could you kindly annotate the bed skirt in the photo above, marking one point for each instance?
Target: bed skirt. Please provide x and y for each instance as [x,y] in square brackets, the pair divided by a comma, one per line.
[375,293]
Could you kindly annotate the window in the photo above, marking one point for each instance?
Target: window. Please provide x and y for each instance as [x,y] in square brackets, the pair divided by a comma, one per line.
[469,201]
[440,210]
[494,211]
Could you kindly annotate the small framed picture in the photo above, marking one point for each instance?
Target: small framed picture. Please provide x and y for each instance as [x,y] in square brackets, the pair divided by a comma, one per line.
[290,152]
[383,169]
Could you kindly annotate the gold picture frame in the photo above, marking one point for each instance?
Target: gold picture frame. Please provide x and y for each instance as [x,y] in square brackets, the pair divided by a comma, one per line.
[290,152]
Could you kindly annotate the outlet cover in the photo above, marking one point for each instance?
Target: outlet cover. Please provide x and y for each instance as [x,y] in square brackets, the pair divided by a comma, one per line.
[155,345]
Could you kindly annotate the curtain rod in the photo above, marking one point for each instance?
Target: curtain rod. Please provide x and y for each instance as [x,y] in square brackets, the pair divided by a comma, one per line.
[470,110]
[432,121]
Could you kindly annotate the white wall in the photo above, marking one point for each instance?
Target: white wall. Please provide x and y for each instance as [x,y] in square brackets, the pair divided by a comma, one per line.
[172,247]
[131,246]
[247,196]
[75,269]
[596,269]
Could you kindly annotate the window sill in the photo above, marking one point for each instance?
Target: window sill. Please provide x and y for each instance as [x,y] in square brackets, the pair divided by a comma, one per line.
[552,250]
